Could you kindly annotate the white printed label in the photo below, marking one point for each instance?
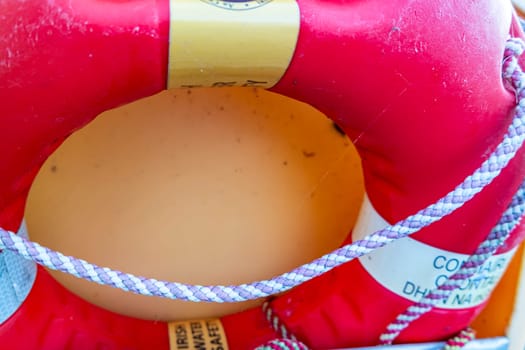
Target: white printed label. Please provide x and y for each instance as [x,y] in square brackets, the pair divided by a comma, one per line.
[413,269]
[17,276]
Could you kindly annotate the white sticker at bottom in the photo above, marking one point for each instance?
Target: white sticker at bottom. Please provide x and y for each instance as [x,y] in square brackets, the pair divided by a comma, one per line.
[17,276]
[412,269]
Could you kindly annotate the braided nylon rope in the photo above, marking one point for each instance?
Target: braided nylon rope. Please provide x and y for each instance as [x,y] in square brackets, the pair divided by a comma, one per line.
[455,343]
[462,339]
[276,323]
[283,344]
[509,220]
[496,238]
[472,185]
[487,248]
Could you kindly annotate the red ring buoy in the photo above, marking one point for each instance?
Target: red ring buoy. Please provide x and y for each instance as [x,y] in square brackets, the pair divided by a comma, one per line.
[415,84]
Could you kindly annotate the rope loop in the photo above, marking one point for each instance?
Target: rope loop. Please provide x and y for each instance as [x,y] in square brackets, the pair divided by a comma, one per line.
[461,340]
[465,191]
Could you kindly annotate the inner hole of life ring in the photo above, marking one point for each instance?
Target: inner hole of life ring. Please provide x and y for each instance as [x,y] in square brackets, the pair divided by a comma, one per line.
[208,186]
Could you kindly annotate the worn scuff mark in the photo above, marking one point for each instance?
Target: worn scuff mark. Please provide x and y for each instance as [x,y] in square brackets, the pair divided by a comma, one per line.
[26,35]
[53,20]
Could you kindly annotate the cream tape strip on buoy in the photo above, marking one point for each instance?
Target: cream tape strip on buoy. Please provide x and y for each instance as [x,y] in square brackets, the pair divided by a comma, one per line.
[231,43]
[198,334]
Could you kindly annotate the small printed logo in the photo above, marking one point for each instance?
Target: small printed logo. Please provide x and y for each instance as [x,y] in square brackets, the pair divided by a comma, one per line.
[237,5]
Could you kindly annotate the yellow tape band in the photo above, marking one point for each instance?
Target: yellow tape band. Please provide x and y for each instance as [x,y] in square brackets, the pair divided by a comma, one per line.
[231,43]
[195,335]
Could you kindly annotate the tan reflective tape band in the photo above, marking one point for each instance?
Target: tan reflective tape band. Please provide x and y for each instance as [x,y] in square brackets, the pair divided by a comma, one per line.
[198,334]
[231,43]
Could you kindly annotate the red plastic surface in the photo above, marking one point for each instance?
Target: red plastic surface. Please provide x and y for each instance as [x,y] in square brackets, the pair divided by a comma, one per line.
[415,84]
[54,318]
